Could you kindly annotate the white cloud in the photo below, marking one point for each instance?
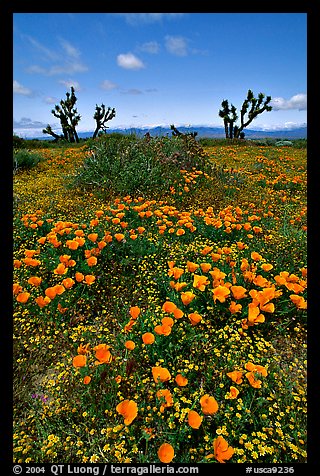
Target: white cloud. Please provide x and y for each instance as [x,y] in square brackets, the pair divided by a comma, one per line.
[129,61]
[176,45]
[151,47]
[63,62]
[108,85]
[141,18]
[51,100]
[19,89]
[132,91]
[70,82]
[69,49]
[47,53]
[27,123]
[299,101]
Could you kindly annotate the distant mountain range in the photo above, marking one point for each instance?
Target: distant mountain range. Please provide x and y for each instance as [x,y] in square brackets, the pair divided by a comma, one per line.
[210,132]
[203,131]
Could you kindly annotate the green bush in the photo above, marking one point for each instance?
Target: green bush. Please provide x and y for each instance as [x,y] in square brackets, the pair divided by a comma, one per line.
[23,159]
[128,165]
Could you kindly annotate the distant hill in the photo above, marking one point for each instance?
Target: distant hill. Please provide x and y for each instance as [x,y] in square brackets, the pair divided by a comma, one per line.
[203,131]
[210,132]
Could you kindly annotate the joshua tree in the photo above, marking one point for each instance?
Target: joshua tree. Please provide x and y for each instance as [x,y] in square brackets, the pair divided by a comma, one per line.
[48,130]
[102,116]
[250,109]
[68,116]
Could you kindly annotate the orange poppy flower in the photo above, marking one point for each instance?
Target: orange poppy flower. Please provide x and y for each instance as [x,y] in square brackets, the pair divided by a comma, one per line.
[60,269]
[178,313]
[89,279]
[16,288]
[72,244]
[254,316]
[34,280]
[299,301]
[93,237]
[162,330]
[256,256]
[181,380]
[194,318]
[178,286]
[217,276]
[194,419]
[261,281]
[83,349]
[87,379]
[269,307]
[79,277]
[61,309]
[167,396]
[92,261]
[30,253]
[59,289]
[166,453]
[169,306]
[160,373]
[17,263]
[23,297]
[119,237]
[222,450]
[68,283]
[134,312]
[42,301]
[176,272]
[238,292]
[240,245]
[129,325]
[148,338]
[234,307]
[51,292]
[215,257]
[206,250]
[129,344]
[128,409]
[167,321]
[200,282]
[236,376]
[266,266]
[187,297]
[233,393]
[79,361]
[255,371]
[208,404]
[205,267]
[192,266]
[103,354]
[31,261]
[220,293]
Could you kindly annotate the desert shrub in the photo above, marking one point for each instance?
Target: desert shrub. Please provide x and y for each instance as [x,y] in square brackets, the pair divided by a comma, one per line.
[23,159]
[129,165]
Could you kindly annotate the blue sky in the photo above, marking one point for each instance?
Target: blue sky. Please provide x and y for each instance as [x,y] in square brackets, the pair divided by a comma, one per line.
[158,68]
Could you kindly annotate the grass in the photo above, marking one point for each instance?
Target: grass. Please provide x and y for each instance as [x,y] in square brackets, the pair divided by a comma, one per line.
[201,281]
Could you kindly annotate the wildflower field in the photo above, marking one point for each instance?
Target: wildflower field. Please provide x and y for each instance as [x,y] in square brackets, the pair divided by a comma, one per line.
[160,302]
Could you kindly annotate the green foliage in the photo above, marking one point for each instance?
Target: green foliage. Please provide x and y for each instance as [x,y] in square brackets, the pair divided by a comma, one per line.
[129,165]
[23,159]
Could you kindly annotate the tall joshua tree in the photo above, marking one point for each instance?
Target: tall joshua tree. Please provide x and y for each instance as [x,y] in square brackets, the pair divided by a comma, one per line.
[68,116]
[102,116]
[250,109]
